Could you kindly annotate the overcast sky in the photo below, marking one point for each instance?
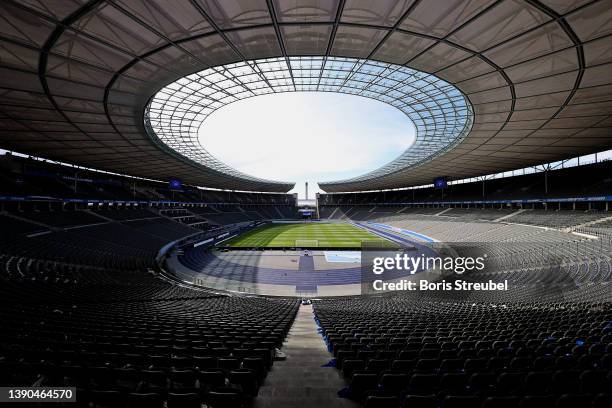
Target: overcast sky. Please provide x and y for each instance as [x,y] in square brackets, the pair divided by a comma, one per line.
[306,136]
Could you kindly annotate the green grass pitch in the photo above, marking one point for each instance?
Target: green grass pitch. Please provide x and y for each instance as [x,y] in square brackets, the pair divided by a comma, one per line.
[333,235]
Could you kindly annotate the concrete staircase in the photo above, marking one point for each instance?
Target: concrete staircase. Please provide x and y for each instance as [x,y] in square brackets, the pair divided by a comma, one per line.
[443,211]
[300,381]
[333,213]
[587,224]
[505,217]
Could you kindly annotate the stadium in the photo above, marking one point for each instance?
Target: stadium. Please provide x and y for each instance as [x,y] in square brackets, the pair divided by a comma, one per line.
[468,264]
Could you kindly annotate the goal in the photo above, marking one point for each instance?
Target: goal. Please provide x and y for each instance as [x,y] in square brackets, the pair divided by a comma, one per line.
[306,243]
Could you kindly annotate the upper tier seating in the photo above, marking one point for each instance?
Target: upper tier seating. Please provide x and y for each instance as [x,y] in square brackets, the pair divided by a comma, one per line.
[59,218]
[25,177]
[559,219]
[556,219]
[478,213]
[580,181]
[12,226]
[124,214]
[161,227]
[224,216]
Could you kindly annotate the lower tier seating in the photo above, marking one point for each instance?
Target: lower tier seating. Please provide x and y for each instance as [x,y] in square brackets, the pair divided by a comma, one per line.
[85,307]
[406,351]
[139,342]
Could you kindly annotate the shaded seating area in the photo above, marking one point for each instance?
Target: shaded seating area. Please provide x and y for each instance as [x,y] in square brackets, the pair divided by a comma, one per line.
[137,340]
[415,351]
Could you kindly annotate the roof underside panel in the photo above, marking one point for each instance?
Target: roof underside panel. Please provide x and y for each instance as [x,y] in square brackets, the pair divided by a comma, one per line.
[75,75]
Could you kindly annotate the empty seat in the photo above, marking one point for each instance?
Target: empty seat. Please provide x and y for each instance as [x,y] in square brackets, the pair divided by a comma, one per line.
[127,379]
[224,397]
[188,400]
[475,364]
[377,365]
[520,363]
[101,377]
[181,362]
[351,365]
[509,383]
[423,384]
[567,381]
[427,365]
[108,399]
[146,400]
[537,401]
[211,379]
[460,401]
[538,383]
[602,400]
[501,402]
[543,363]
[246,380]
[403,365]
[155,378]
[374,401]
[343,355]
[453,383]
[183,381]
[591,382]
[228,363]
[361,384]
[420,401]
[256,364]
[394,383]
[205,362]
[451,364]
[566,362]
[574,400]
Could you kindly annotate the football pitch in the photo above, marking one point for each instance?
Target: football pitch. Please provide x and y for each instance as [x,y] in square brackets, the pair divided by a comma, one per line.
[307,235]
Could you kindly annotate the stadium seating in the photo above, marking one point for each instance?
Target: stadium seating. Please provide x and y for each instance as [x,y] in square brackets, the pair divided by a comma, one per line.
[124,213]
[138,336]
[143,265]
[25,177]
[581,181]
[60,218]
[427,352]
[84,304]
[81,307]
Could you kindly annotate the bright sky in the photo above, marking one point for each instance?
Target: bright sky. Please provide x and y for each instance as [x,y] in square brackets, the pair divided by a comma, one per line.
[306,136]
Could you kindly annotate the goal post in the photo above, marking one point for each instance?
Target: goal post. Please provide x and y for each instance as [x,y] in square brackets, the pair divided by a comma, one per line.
[306,243]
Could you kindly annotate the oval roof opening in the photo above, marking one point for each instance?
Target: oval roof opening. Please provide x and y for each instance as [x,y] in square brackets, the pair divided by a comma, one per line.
[307,136]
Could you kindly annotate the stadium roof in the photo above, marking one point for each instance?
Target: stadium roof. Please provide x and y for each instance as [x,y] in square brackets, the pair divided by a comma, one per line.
[76,76]
[441,114]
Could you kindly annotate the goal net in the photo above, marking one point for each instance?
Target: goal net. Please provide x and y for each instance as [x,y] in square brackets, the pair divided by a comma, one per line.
[306,243]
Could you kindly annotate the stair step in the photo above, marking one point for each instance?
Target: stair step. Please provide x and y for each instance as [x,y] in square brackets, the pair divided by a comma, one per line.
[301,402]
[300,380]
